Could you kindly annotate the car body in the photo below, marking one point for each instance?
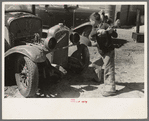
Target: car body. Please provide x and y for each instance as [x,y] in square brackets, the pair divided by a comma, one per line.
[73,16]
[70,15]
[30,50]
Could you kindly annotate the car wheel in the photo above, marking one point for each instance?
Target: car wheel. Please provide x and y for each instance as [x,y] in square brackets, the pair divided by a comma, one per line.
[79,60]
[26,74]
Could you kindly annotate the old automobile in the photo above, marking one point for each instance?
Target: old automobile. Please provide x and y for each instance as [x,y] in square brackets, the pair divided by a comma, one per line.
[76,17]
[34,53]
[73,16]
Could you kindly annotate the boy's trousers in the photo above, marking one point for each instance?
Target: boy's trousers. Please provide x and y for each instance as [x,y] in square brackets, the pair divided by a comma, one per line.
[109,71]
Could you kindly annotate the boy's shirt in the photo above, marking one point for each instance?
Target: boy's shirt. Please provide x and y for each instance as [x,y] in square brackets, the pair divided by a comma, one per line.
[104,39]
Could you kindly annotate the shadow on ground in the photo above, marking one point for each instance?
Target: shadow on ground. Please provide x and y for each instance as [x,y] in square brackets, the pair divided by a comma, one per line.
[129,87]
[126,27]
[73,85]
[70,86]
[116,42]
[119,42]
[60,90]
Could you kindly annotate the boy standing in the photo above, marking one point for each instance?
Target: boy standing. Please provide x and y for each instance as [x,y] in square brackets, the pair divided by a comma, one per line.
[102,32]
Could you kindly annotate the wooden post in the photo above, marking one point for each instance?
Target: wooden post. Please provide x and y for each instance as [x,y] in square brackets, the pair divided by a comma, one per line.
[33,9]
[138,37]
[138,21]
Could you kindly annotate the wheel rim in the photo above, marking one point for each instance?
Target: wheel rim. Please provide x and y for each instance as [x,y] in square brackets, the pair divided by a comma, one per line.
[23,74]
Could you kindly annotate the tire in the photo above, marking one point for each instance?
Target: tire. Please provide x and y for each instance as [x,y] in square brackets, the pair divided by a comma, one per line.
[9,72]
[78,62]
[27,76]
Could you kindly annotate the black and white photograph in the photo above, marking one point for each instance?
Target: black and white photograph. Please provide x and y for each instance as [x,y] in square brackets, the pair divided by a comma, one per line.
[76,56]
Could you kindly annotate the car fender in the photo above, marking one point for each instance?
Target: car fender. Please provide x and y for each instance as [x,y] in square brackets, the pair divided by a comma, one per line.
[82,26]
[36,54]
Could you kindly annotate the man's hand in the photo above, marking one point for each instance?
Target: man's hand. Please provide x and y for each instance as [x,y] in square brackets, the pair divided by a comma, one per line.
[101,31]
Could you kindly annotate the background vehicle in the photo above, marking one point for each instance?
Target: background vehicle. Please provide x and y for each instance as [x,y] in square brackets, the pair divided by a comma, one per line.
[27,58]
[70,15]
[77,16]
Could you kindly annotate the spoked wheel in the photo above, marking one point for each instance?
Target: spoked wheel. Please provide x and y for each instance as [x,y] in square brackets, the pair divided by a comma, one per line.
[78,62]
[26,74]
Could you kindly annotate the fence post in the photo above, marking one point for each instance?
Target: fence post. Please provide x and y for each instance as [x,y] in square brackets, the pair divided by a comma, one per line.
[138,21]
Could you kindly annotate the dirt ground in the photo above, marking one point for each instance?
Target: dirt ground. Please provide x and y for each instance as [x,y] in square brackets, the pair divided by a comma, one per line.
[129,74]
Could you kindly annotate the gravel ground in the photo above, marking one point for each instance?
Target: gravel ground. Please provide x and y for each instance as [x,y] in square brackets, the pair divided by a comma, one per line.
[129,73]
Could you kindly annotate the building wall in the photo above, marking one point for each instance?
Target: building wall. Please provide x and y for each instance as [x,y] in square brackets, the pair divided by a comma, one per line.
[109,9]
[117,12]
[133,13]
[128,14]
[124,14]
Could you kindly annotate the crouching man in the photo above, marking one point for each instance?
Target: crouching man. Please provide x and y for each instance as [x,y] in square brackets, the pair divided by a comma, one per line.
[102,32]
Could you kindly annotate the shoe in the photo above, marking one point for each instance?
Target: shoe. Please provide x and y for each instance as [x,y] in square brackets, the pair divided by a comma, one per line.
[106,93]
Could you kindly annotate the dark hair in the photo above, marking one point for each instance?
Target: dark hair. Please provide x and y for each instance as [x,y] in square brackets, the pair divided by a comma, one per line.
[95,16]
